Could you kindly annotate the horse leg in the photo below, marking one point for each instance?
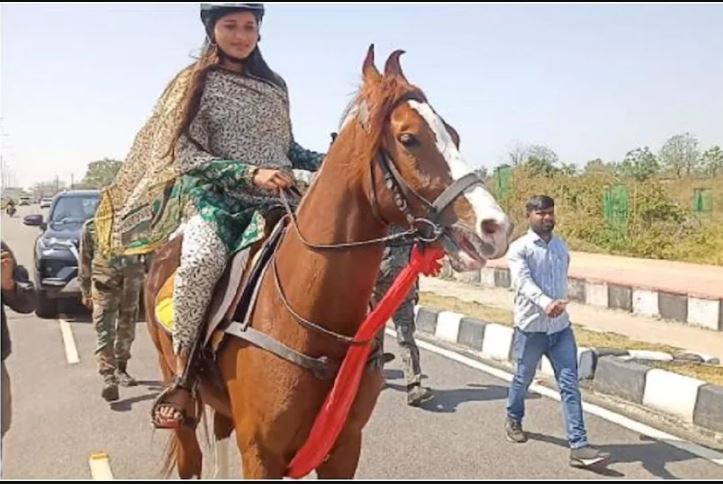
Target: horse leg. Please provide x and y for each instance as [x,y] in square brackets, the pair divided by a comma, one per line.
[222,426]
[189,458]
[344,457]
[258,464]
[343,460]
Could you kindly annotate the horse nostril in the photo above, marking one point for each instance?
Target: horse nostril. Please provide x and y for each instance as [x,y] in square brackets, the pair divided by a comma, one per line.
[490,226]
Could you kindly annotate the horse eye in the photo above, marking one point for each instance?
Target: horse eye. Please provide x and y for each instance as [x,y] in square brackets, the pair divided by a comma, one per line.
[408,140]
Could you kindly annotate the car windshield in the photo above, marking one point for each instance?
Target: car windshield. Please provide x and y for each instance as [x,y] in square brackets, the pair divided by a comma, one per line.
[74,209]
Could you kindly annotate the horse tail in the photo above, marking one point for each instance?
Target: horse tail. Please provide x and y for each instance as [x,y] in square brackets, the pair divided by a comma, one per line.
[170,459]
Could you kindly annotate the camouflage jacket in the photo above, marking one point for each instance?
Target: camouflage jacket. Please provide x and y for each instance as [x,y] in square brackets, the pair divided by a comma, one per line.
[93,264]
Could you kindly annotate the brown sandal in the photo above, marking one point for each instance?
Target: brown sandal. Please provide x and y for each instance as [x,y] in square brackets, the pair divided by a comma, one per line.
[181,401]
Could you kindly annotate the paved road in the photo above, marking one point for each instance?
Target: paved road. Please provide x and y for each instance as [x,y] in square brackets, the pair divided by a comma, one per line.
[59,419]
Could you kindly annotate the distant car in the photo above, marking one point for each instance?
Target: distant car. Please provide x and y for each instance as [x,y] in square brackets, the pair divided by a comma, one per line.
[25,200]
[57,249]
[46,202]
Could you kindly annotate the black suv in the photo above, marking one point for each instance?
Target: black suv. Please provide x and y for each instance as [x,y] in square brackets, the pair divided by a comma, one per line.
[57,249]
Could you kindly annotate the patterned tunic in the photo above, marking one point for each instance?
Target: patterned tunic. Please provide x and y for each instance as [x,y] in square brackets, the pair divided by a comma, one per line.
[242,123]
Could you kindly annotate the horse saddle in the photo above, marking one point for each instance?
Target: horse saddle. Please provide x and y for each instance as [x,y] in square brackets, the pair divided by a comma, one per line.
[232,305]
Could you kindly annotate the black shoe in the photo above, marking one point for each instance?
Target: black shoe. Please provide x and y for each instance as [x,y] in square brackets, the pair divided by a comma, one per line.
[587,456]
[387,358]
[514,431]
[110,391]
[124,379]
[417,394]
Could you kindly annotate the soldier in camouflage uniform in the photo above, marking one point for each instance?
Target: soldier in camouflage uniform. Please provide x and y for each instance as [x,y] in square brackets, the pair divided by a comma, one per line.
[393,261]
[111,288]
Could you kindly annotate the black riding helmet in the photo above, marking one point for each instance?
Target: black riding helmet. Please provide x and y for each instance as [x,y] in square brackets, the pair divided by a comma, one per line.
[212,12]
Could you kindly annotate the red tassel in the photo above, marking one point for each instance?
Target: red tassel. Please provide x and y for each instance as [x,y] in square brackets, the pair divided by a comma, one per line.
[334,412]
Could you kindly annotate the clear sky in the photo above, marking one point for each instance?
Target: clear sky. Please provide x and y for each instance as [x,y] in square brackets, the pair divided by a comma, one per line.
[589,81]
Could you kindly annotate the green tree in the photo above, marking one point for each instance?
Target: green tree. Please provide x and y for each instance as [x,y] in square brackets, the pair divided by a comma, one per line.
[712,161]
[539,167]
[599,167]
[569,169]
[639,164]
[101,173]
[542,152]
[518,154]
[541,161]
[680,154]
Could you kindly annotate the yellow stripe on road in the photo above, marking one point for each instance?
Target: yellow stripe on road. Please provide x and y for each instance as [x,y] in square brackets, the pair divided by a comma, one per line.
[100,467]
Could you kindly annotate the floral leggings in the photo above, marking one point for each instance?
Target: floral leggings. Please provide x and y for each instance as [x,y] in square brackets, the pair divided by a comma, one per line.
[203,260]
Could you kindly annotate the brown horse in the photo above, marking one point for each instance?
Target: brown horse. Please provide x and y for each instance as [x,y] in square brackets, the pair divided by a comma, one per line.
[270,402]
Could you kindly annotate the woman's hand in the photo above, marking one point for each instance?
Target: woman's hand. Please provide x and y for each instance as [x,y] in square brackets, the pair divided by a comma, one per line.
[272,179]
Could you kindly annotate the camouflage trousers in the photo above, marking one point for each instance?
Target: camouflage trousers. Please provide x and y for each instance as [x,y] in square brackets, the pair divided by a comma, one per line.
[115,294]
[395,259]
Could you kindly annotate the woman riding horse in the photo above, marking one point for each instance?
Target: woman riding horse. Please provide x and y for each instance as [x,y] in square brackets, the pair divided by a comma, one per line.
[231,149]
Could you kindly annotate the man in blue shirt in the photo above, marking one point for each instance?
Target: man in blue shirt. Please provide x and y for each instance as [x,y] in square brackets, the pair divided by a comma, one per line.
[538,267]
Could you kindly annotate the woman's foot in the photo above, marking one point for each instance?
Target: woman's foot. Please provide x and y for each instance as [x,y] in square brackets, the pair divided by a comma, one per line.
[173,408]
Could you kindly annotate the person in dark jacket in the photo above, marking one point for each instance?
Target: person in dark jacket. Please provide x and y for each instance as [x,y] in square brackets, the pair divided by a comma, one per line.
[18,293]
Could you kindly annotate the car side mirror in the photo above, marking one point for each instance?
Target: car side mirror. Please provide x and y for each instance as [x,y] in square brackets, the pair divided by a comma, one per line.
[35,221]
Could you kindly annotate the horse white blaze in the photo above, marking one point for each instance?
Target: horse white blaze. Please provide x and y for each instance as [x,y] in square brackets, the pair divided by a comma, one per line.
[485,207]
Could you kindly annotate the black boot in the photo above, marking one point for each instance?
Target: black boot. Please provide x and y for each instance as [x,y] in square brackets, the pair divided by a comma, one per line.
[110,389]
[124,379]
[417,394]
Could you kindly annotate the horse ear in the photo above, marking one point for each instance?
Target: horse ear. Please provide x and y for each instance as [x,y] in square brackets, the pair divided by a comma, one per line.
[370,72]
[393,68]
[453,133]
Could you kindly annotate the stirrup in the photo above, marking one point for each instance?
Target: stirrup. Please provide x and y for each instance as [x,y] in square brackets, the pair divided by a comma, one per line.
[173,423]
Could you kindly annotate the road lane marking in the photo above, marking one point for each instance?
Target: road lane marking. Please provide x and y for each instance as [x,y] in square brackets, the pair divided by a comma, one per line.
[71,351]
[100,467]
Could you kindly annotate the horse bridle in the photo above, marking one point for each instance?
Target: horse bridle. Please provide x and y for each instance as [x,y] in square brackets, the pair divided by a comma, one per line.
[428,227]
[425,229]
